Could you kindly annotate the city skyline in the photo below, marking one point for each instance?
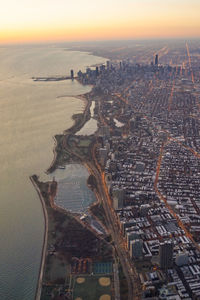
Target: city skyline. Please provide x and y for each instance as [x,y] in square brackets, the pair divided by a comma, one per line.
[36,21]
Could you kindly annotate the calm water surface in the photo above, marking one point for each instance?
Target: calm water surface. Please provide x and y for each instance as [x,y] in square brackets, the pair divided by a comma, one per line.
[30,114]
[90,126]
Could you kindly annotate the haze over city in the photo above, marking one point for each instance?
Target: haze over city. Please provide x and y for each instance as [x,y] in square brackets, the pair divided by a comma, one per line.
[50,20]
[100,150]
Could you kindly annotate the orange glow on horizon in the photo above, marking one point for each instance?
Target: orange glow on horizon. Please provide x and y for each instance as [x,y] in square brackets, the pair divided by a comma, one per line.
[97,33]
[47,20]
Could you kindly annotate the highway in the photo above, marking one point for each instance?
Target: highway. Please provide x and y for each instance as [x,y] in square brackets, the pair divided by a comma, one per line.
[127,265]
[189,61]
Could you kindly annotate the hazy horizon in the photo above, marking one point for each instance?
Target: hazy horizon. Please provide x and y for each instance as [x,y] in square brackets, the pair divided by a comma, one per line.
[100,42]
[49,21]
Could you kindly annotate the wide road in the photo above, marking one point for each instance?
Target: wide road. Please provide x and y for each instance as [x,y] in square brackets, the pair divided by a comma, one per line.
[127,265]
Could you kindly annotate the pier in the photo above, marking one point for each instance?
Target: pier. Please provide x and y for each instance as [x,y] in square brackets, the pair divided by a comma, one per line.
[54,78]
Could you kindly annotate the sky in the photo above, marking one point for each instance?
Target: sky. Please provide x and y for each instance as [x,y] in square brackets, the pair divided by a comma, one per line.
[79,20]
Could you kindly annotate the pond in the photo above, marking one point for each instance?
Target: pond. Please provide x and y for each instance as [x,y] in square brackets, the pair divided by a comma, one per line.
[73,194]
[90,126]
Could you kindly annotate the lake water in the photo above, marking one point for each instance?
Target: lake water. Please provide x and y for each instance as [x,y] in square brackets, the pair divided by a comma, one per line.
[118,124]
[90,126]
[30,114]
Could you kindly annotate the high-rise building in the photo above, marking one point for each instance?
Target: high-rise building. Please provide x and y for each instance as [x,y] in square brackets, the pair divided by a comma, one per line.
[130,236]
[182,259]
[156,59]
[104,131]
[97,71]
[118,198]
[166,254]
[79,73]
[103,156]
[136,247]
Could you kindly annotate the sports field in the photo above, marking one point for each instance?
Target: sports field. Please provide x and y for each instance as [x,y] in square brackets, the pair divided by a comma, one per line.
[92,287]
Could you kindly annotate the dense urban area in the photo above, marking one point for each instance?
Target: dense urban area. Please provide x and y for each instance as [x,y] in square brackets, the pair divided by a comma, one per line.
[144,164]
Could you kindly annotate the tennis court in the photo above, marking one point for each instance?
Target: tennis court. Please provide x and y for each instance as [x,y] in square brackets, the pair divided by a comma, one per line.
[102,268]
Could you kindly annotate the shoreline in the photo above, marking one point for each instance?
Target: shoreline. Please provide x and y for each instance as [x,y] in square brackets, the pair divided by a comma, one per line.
[54,155]
[45,238]
[86,102]
[86,110]
[73,129]
[90,52]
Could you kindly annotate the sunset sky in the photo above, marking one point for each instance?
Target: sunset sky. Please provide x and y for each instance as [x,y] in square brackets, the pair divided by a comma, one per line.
[71,20]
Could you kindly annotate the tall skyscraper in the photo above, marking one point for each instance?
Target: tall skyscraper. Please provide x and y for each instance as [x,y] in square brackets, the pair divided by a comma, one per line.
[166,254]
[156,59]
[108,65]
[118,198]
[103,155]
[130,236]
[97,71]
[136,247]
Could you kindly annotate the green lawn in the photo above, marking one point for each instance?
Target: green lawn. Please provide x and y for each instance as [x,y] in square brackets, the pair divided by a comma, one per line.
[47,291]
[56,269]
[84,143]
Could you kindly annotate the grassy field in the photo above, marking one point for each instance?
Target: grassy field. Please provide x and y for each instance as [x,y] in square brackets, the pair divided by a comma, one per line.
[56,269]
[84,143]
[123,284]
[90,289]
[48,292]
[67,238]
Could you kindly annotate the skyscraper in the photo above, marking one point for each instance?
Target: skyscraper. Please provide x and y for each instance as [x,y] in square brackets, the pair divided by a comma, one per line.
[156,59]
[166,254]
[97,71]
[118,198]
[72,74]
[136,247]
[108,65]
[103,155]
